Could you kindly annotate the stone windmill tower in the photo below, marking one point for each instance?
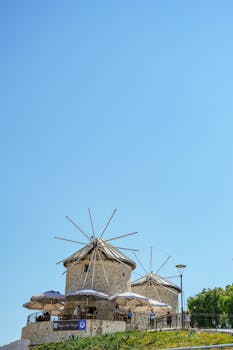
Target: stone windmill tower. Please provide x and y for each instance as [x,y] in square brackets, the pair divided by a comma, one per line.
[98,265]
[157,287]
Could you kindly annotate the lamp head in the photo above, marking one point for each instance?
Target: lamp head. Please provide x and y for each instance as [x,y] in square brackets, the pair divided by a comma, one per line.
[180,268]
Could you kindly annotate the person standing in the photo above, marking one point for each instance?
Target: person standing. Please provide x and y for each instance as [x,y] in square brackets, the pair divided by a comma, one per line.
[77,310]
[130,315]
[116,312]
[169,319]
[152,318]
[187,319]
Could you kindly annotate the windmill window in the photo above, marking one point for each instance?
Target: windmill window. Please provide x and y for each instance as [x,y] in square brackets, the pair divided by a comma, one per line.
[123,274]
[86,266]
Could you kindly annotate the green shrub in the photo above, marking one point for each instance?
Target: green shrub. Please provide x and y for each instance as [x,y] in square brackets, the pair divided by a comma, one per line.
[139,340]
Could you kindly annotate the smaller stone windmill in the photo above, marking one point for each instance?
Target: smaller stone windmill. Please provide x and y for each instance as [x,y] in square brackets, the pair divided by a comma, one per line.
[156,287]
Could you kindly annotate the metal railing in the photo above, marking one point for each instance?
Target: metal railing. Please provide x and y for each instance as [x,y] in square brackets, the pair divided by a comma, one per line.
[212,320]
[162,322]
[197,320]
[38,317]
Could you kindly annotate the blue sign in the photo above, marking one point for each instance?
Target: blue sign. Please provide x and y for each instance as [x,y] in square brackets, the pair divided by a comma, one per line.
[82,325]
[63,325]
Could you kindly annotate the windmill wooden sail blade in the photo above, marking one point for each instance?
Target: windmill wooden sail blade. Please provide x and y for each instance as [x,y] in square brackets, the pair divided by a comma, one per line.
[75,225]
[106,226]
[69,240]
[127,234]
[92,226]
[135,250]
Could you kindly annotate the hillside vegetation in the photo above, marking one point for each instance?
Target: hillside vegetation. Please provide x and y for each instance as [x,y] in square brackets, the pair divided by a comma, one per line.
[138,340]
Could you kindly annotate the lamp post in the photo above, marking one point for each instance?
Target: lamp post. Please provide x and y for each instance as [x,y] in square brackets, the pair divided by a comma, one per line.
[180,268]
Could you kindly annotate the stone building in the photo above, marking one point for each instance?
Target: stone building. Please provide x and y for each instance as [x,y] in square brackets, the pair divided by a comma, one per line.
[99,266]
[159,288]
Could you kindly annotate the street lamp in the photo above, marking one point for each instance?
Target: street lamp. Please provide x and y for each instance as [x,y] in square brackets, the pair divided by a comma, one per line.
[180,268]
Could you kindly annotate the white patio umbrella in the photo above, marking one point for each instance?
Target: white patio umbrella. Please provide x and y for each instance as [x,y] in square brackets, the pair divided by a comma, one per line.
[156,303]
[48,301]
[33,305]
[49,296]
[86,293]
[36,305]
[129,297]
[57,312]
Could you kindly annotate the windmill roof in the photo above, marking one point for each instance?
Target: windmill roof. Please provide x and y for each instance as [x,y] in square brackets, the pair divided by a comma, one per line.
[110,252]
[155,278]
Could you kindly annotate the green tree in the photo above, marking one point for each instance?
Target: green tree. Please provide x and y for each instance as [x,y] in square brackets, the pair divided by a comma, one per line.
[206,306]
[228,300]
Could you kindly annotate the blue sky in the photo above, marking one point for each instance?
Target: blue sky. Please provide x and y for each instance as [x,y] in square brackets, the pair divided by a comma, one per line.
[104,105]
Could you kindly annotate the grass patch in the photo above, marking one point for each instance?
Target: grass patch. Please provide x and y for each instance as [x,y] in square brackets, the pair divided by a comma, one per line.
[139,340]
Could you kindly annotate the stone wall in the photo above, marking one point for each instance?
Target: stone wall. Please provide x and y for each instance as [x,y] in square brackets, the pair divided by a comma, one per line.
[22,344]
[141,320]
[118,275]
[165,295]
[42,332]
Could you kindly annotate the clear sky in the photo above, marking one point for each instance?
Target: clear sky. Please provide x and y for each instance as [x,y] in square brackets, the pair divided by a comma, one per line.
[114,104]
